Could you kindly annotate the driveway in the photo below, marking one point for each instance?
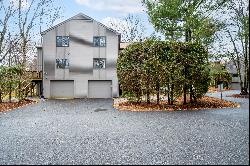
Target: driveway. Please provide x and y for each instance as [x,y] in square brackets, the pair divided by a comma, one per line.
[90,131]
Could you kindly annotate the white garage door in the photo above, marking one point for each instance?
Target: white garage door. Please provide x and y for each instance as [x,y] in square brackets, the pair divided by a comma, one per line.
[235,86]
[100,89]
[62,89]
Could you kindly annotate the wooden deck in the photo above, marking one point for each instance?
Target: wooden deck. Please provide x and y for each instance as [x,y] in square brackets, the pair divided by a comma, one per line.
[36,75]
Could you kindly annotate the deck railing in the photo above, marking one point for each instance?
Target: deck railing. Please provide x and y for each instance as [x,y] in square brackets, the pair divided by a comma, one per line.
[36,75]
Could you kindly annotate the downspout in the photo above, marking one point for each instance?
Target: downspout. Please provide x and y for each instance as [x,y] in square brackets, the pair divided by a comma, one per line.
[41,91]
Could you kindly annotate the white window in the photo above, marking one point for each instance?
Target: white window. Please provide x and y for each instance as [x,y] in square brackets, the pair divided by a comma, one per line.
[99,63]
[62,63]
[62,41]
[99,41]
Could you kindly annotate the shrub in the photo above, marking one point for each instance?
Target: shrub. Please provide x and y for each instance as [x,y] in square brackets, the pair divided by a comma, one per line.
[148,67]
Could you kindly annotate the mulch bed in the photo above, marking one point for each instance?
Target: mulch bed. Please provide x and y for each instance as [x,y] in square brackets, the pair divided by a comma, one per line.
[214,90]
[239,96]
[203,103]
[7,106]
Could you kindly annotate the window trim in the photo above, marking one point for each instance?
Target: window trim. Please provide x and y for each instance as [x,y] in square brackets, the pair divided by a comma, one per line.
[62,45]
[105,60]
[235,75]
[65,67]
[99,41]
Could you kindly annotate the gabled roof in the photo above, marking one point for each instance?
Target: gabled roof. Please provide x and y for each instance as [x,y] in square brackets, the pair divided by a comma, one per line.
[79,16]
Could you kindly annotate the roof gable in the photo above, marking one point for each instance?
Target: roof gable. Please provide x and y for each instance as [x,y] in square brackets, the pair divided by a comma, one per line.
[79,16]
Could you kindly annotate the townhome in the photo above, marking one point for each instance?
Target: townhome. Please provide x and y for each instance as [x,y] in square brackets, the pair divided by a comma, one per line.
[78,58]
[231,68]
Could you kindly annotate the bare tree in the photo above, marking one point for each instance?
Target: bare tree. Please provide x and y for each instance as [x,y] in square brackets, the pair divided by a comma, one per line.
[38,12]
[31,15]
[6,40]
[20,25]
[237,30]
[131,28]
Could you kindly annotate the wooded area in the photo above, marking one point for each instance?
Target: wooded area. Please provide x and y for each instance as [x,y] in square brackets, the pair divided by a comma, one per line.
[20,26]
[225,22]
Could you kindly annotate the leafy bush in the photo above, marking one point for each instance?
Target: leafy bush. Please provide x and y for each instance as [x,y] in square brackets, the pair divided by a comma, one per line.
[9,79]
[148,67]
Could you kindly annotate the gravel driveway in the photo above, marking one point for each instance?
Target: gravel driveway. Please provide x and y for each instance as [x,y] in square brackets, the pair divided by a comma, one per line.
[90,131]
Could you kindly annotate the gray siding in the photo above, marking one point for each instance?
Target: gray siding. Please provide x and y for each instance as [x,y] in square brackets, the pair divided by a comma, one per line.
[39,59]
[80,54]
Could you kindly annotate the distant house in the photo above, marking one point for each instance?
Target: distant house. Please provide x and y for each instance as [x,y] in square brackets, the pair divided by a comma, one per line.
[78,59]
[235,85]
[123,45]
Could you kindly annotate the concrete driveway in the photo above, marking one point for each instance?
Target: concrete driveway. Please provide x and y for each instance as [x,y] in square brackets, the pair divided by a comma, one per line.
[90,131]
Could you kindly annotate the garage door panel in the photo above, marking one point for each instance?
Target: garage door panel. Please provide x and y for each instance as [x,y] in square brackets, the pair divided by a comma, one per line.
[100,89]
[62,89]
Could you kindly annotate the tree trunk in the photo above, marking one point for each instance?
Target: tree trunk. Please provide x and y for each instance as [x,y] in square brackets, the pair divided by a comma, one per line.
[172,94]
[187,39]
[24,51]
[245,74]
[168,95]
[191,94]
[184,94]
[148,97]
[0,95]
[19,89]
[246,60]
[185,87]
[158,92]
[241,82]
[10,92]
[138,99]
[248,79]
[195,99]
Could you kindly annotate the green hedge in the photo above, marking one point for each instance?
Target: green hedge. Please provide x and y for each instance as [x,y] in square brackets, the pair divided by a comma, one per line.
[168,68]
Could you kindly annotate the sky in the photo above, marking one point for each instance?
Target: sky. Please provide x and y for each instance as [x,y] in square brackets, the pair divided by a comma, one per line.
[100,10]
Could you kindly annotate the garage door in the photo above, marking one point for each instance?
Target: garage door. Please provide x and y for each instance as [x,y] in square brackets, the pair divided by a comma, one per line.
[235,86]
[62,89]
[100,89]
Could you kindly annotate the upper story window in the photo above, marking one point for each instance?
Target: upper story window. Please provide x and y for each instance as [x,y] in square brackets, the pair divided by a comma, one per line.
[99,63]
[62,63]
[62,41]
[234,75]
[99,41]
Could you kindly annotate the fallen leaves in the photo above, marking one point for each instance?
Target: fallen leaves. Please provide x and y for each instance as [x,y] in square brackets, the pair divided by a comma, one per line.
[6,106]
[203,103]
[238,96]
[213,89]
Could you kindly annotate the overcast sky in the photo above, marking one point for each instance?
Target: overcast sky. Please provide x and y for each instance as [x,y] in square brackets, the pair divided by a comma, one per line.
[100,10]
